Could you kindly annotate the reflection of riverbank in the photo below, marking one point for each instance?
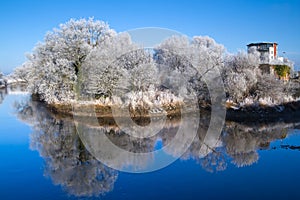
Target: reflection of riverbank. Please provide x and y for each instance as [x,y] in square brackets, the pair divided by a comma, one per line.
[8,81]
[70,163]
[12,90]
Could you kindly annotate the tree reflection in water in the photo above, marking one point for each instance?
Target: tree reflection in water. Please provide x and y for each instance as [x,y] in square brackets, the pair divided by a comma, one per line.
[3,93]
[69,164]
[241,142]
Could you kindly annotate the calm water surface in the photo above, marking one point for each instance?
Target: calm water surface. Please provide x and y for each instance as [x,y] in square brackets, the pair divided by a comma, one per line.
[44,158]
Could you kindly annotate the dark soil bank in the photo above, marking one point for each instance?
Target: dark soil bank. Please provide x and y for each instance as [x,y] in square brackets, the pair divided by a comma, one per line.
[288,112]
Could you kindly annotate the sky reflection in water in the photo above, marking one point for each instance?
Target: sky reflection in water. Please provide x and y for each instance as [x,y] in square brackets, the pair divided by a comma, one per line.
[43,157]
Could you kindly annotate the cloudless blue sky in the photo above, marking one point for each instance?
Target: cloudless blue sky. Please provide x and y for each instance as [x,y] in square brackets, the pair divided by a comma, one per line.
[231,23]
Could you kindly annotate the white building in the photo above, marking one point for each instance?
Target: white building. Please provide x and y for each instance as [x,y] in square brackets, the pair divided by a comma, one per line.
[268,51]
[269,58]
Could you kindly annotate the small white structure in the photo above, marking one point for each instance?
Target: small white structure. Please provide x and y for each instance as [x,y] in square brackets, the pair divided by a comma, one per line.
[281,59]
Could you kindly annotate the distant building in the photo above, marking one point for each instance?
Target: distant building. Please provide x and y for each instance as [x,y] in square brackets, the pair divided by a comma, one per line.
[270,62]
[268,50]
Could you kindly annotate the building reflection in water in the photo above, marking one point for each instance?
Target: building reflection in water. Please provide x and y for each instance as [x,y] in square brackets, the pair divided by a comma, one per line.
[69,164]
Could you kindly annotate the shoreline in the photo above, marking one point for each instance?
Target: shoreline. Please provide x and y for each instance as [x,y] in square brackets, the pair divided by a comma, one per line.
[284,112]
[105,111]
[289,111]
[233,117]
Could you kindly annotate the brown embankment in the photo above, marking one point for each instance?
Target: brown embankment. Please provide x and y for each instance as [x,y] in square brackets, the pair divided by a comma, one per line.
[289,112]
[106,111]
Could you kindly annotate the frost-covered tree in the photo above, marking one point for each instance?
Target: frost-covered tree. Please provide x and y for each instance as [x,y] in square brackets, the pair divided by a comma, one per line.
[268,87]
[240,75]
[208,53]
[209,59]
[172,57]
[246,82]
[117,63]
[174,54]
[57,61]
[24,72]
[191,60]
[99,75]
[141,69]
[202,53]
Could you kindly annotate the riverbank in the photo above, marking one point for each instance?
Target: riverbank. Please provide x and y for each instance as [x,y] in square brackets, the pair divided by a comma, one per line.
[7,81]
[286,112]
[105,111]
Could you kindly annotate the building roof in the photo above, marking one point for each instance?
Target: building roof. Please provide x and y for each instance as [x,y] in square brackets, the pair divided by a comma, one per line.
[260,43]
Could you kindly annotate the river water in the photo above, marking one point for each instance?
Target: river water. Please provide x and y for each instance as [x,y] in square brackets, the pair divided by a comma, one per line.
[45,156]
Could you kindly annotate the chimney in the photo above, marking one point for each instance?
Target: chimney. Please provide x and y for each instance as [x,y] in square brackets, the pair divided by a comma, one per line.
[275,50]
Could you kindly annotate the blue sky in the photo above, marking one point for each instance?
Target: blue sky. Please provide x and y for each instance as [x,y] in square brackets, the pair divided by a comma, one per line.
[231,23]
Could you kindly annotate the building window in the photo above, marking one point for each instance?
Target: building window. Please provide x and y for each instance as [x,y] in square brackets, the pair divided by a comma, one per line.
[272,57]
[272,52]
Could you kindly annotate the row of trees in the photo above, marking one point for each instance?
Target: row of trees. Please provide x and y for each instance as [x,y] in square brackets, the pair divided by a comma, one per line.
[85,59]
